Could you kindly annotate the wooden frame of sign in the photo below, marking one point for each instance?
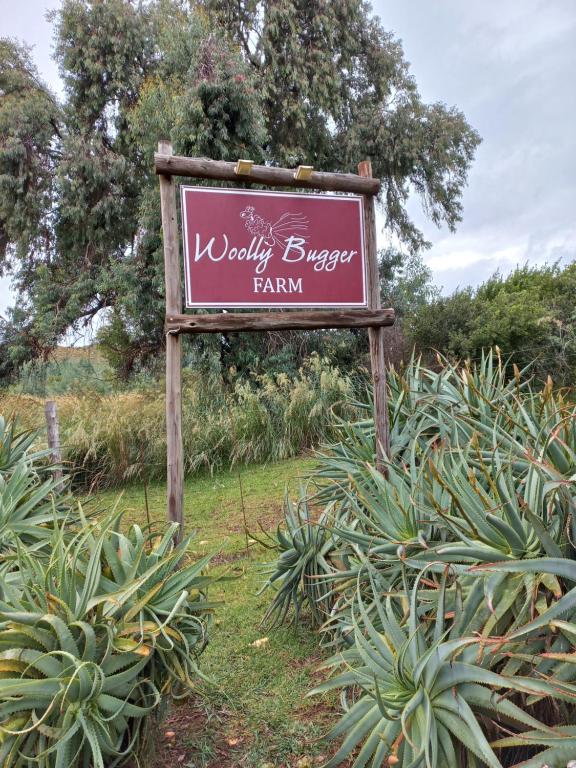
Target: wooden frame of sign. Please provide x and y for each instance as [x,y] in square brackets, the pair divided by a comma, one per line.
[168,165]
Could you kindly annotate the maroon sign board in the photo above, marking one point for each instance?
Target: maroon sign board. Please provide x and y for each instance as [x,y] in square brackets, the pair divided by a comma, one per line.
[244,248]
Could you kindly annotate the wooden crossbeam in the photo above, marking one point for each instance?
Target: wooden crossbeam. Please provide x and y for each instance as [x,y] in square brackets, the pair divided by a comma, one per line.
[295,320]
[220,170]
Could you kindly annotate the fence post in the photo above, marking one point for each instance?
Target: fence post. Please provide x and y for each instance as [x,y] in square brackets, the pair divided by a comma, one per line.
[52,428]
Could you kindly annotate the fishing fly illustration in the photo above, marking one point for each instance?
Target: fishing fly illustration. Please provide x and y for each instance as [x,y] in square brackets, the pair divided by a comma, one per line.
[277,233]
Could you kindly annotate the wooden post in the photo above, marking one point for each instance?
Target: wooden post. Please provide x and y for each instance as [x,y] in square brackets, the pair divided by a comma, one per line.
[375,335]
[175,459]
[53,431]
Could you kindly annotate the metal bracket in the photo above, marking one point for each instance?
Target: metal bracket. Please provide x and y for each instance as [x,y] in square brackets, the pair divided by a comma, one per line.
[303,172]
[243,167]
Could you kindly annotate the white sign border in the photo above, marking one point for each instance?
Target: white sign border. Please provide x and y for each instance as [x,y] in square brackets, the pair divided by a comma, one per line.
[266,305]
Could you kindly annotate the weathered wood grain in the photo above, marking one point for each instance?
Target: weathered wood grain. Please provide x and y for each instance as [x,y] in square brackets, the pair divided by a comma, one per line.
[53,434]
[294,320]
[220,170]
[175,457]
[375,335]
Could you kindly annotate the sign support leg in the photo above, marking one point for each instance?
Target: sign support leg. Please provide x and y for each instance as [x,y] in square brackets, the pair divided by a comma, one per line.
[375,335]
[175,459]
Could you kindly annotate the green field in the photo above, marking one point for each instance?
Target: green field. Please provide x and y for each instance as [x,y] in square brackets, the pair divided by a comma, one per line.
[253,713]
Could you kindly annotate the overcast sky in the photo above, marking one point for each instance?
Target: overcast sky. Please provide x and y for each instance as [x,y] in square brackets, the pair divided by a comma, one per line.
[510,65]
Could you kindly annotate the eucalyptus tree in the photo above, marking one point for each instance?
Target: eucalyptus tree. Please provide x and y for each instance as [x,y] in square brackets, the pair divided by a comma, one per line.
[281,81]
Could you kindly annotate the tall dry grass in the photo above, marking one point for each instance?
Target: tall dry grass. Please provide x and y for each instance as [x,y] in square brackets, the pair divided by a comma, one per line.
[110,439]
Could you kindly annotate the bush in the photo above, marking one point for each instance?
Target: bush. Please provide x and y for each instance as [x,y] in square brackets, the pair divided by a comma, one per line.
[530,314]
[82,371]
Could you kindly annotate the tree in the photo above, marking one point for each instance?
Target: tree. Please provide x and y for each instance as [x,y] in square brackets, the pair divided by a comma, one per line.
[281,81]
[28,125]
[406,286]
[29,117]
[336,88]
[69,234]
[405,281]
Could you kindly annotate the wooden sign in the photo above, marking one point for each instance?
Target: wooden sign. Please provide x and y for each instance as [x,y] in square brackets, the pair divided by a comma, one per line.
[244,248]
[236,240]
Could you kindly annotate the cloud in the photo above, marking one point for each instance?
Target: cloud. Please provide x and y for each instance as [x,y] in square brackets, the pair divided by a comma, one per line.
[26,21]
[460,258]
[509,67]
[526,26]
[471,261]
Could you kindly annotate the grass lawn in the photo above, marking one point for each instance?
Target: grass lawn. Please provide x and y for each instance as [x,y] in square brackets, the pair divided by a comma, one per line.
[254,712]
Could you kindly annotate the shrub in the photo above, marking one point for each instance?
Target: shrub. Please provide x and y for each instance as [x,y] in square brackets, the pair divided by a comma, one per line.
[529,313]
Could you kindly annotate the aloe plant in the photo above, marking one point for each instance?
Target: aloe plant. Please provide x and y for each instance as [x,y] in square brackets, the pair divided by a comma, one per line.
[15,445]
[417,696]
[165,601]
[299,574]
[67,698]
[94,631]
[29,506]
[31,501]
[425,408]
[462,558]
